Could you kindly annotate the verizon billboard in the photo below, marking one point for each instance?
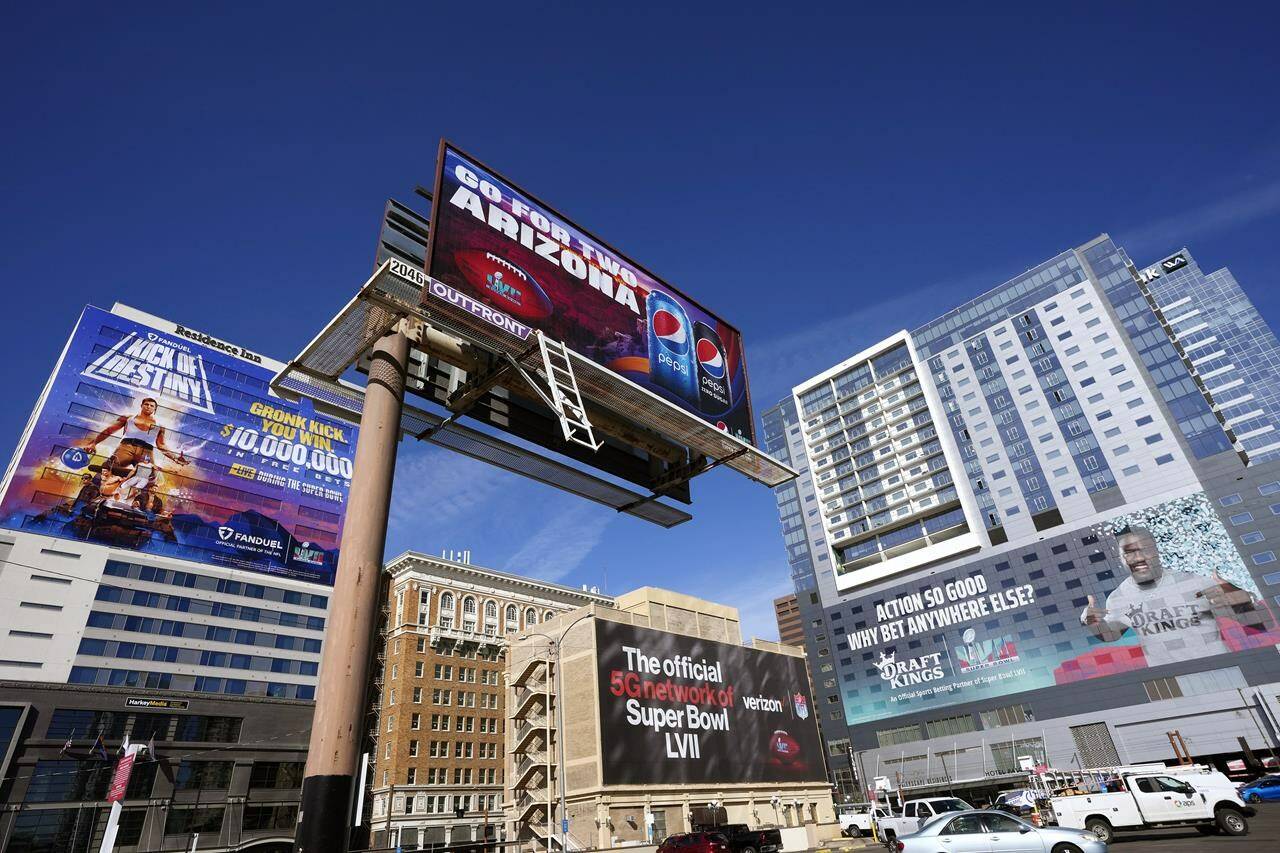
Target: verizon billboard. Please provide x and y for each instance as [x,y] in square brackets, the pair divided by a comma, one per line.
[496,252]
[678,710]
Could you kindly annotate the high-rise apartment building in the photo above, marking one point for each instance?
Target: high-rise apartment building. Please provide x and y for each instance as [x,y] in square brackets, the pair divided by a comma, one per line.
[1228,346]
[441,719]
[790,624]
[1059,481]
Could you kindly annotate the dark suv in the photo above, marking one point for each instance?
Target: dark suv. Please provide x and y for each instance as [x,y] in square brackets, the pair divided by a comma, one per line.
[694,842]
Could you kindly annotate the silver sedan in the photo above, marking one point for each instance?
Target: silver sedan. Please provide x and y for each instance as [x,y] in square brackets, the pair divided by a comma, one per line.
[994,832]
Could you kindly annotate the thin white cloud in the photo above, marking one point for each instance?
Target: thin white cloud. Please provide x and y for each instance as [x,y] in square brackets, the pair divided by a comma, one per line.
[559,547]
[435,487]
[1233,211]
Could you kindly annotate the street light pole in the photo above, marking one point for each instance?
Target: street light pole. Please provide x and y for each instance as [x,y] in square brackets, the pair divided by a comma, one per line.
[338,726]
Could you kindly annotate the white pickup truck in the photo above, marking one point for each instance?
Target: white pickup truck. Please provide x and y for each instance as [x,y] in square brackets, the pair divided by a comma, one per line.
[1135,798]
[915,813]
[855,818]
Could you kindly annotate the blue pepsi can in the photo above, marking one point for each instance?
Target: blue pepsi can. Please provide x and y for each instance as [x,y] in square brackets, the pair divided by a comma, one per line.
[671,347]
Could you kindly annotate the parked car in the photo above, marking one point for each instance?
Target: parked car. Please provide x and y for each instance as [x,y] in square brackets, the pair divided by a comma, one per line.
[743,839]
[1264,790]
[995,832]
[694,842]
[915,813]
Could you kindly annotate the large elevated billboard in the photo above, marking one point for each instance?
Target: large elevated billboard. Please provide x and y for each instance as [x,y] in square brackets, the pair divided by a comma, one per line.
[167,441]
[678,710]
[1144,588]
[498,253]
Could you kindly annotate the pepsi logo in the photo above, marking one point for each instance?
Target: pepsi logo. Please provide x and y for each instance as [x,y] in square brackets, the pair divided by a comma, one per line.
[710,358]
[669,328]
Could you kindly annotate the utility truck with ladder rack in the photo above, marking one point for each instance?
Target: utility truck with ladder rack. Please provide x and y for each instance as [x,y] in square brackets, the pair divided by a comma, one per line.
[1108,800]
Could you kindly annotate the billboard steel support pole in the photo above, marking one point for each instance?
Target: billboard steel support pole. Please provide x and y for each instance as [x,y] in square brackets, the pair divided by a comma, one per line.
[338,727]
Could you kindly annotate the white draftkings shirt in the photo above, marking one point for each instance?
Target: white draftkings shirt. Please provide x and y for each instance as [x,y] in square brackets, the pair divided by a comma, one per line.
[1169,620]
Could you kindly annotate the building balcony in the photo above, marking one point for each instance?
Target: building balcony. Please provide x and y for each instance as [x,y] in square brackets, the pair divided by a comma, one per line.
[465,633]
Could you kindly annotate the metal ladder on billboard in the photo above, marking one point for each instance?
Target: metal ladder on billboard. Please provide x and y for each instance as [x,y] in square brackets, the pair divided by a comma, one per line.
[561,394]
[566,400]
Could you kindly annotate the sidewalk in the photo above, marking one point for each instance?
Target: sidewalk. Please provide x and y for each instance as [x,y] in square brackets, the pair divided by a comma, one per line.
[847,845]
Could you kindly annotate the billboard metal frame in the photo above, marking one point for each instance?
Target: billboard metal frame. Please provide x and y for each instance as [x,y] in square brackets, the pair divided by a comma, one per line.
[389,295]
[315,373]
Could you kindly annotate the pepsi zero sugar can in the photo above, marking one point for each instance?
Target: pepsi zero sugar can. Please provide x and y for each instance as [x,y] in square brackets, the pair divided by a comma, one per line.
[712,369]
[670,347]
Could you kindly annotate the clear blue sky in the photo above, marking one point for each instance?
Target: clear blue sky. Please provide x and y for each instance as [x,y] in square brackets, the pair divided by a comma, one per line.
[821,178]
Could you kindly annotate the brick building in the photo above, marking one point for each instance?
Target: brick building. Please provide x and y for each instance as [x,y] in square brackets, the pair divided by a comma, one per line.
[438,773]
[790,625]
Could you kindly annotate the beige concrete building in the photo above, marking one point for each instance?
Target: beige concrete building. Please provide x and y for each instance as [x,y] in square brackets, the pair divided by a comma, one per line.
[439,770]
[605,815]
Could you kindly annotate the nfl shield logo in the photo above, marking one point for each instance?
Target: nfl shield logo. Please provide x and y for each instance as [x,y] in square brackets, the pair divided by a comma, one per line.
[802,706]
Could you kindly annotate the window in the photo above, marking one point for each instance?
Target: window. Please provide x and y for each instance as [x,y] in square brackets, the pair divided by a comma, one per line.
[513,615]
[950,726]
[997,823]
[447,605]
[184,821]
[967,825]
[1162,688]
[530,617]
[276,774]
[1008,715]
[208,775]
[901,734]
[280,817]
[1006,754]
[1241,518]
[201,729]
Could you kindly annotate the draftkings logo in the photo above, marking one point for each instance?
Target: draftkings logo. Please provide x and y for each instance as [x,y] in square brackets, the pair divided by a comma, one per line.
[157,366]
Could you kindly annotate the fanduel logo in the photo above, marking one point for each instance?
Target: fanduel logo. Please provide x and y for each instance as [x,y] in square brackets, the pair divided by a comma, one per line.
[235,537]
